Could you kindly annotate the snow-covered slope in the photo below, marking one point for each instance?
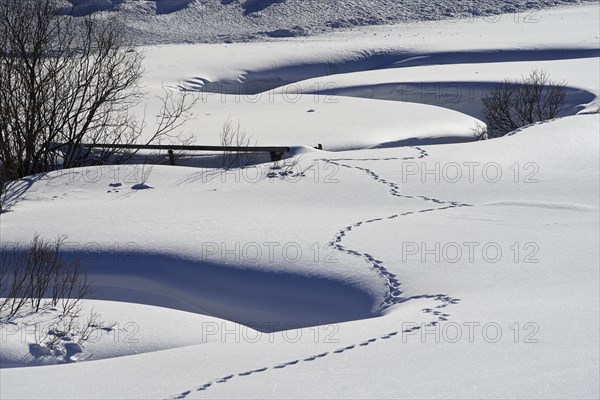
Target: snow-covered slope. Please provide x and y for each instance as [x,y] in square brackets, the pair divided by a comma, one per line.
[175,21]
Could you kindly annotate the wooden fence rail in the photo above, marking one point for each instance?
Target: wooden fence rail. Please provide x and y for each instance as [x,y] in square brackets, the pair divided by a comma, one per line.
[275,152]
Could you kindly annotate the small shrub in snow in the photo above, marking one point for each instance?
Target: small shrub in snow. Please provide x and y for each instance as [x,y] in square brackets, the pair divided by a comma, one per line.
[287,169]
[233,135]
[63,339]
[42,291]
[480,131]
[39,277]
[145,170]
[514,104]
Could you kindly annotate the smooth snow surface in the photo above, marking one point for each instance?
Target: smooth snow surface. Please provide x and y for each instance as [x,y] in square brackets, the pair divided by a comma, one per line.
[406,259]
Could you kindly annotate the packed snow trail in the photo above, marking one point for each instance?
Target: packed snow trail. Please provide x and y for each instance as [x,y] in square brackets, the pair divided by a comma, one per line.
[393,284]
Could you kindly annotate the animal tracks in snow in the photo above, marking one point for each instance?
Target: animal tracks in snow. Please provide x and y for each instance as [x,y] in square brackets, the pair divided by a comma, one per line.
[443,298]
[394,292]
[394,295]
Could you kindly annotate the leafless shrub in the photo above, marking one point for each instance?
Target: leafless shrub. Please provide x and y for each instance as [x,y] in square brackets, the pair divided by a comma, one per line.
[92,324]
[289,168]
[480,131]
[145,171]
[41,278]
[72,285]
[66,336]
[233,135]
[514,104]
[38,279]
[183,140]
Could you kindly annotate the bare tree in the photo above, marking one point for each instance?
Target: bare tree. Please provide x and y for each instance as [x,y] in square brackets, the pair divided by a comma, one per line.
[66,83]
[514,104]
[5,176]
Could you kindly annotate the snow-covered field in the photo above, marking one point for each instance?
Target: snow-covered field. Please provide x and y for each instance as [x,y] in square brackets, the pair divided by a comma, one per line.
[406,259]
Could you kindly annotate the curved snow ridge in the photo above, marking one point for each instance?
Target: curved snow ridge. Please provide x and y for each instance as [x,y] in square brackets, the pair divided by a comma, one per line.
[461,86]
[436,311]
[588,109]
[131,330]
[264,300]
[338,123]
[543,204]
[464,97]
[328,67]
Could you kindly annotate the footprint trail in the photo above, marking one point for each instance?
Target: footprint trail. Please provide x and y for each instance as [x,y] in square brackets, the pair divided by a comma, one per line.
[394,292]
